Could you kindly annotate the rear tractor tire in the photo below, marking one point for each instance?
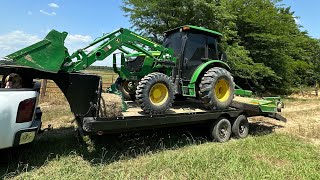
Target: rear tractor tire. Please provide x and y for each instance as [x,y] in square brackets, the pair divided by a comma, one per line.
[155,93]
[217,88]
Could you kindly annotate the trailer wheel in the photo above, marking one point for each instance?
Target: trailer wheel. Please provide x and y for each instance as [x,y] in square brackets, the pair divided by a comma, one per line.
[155,93]
[217,88]
[123,87]
[240,127]
[221,130]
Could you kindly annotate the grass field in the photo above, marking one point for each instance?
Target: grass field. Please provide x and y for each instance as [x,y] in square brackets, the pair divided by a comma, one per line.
[273,150]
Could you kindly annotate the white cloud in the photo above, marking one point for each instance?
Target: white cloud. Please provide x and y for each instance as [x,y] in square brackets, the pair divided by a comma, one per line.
[53,5]
[78,38]
[47,13]
[76,41]
[29,13]
[14,41]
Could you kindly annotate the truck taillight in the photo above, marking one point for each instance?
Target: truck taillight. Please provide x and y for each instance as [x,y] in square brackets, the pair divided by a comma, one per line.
[25,110]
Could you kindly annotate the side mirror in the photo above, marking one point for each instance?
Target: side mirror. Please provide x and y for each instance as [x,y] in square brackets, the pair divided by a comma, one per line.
[223,56]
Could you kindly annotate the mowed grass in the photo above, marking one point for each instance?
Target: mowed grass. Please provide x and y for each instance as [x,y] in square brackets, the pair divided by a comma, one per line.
[273,150]
[272,156]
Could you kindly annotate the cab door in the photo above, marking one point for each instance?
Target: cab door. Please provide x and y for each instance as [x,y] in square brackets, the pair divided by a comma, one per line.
[194,52]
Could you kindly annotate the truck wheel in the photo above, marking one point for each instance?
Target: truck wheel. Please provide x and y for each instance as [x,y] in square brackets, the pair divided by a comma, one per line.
[220,130]
[123,87]
[240,127]
[217,88]
[155,93]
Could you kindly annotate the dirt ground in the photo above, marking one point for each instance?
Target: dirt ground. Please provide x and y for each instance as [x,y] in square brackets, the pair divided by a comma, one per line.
[303,118]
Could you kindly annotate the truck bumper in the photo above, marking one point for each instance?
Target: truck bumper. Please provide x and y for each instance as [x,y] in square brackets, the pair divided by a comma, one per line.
[25,136]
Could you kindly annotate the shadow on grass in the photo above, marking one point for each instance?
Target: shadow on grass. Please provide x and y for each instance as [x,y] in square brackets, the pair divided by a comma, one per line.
[262,128]
[104,149]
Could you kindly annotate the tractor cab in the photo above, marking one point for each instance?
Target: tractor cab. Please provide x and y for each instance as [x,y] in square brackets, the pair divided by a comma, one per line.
[192,47]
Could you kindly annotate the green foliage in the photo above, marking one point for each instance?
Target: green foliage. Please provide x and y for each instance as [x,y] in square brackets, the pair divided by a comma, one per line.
[272,37]
[264,44]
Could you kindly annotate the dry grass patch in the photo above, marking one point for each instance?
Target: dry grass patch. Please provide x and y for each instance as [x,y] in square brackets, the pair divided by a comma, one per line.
[304,95]
[303,117]
[56,110]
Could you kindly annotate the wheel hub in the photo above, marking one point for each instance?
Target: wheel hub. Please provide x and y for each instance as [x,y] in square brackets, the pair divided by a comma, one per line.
[223,131]
[159,94]
[222,90]
[241,129]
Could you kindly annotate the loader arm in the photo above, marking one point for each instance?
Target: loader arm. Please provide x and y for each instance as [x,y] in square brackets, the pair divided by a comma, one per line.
[109,43]
[43,55]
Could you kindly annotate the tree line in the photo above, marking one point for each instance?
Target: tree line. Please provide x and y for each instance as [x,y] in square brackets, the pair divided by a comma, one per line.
[266,48]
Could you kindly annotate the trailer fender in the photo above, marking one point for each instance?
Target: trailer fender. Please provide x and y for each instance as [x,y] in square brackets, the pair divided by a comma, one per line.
[213,63]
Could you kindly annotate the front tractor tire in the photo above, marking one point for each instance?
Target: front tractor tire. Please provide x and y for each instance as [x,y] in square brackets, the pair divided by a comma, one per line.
[217,88]
[155,93]
[123,87]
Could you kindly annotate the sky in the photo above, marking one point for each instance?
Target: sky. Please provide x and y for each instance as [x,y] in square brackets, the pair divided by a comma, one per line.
[24,22]
[308,14]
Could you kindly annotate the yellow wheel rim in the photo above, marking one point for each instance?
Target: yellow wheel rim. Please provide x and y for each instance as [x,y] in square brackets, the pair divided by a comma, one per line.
[158,94]
[222,90]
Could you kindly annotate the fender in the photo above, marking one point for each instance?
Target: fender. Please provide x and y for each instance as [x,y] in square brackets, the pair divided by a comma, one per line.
[211,63]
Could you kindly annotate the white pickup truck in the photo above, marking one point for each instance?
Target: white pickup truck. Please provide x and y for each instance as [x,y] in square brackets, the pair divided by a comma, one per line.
[20,118]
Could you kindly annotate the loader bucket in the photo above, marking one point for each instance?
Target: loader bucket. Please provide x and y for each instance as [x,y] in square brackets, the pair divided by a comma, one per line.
[46,55]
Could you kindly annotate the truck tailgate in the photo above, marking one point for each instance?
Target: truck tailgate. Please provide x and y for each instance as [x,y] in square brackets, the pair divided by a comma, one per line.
[9,103]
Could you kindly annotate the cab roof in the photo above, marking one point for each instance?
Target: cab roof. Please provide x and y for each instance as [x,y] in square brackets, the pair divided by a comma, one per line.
[196,29]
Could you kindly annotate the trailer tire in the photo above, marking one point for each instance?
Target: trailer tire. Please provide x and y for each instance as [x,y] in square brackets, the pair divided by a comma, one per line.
[155,93]
[240,127]
[217,88]
[220,130]
[122,86]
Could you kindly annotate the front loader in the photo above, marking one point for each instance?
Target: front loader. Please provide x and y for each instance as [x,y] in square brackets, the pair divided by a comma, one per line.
[189,63]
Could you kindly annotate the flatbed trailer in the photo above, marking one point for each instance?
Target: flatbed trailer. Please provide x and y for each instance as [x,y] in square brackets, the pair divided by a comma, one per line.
[222,123]
[83,92]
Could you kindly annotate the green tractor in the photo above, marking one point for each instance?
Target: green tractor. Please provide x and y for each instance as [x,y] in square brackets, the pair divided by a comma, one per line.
[200,71]
[190,63]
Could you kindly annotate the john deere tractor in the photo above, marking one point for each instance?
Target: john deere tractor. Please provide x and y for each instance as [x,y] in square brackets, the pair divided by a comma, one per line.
[189,63]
